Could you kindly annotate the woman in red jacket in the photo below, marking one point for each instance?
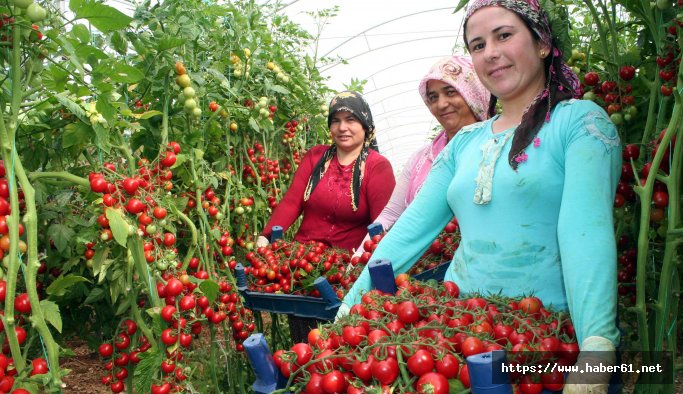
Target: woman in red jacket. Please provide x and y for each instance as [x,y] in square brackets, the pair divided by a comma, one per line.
[342,188]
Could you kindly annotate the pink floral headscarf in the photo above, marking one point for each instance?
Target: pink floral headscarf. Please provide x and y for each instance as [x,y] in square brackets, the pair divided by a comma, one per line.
[458,72]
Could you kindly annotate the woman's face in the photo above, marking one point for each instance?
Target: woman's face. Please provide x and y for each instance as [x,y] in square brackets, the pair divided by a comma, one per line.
[448,107]
[347,131]
[505,55]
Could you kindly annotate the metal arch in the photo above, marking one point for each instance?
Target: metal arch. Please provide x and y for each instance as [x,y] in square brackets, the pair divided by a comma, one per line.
[384,23]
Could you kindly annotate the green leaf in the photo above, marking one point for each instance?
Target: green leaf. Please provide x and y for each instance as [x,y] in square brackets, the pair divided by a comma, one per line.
[124,73]
[253,124]
[106,109]
[123,307]
[144,115]
[77,133]
[61,284]
[51,314]
[81,33]
[61,235]
[118,224]
[146,369]
[95,295]
[72,106]
[169,42]
[101,137]
[210,289]
[73,57]
[216,233]
[119,42]
[179,160]
[103,17]
[280,89]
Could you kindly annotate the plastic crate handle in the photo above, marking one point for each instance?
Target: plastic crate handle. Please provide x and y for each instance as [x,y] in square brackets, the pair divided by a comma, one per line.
[275,233]
[261,360]
[382,276]
[486,373]
[327,292]
[240,277]
[375,229]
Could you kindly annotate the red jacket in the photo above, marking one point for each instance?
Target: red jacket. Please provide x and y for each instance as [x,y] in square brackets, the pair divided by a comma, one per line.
[328,216]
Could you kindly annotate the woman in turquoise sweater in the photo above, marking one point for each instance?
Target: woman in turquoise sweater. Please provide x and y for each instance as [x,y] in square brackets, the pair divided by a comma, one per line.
[532,187]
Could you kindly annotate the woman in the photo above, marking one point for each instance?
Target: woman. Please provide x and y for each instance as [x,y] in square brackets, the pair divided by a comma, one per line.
[456,98]
[342,188]
[532,188]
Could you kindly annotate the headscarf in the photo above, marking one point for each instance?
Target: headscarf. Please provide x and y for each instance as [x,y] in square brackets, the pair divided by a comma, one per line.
[458,72]
[354,103]
[562,83]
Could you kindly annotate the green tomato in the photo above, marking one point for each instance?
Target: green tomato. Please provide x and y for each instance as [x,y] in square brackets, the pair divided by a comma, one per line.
[197,112]
[617,118]
[23,3]
[189,92]
[632,110]
[151,229]
[589,96]
[190,105]
[35,12]
[239,211]
[663,4]
[161,265]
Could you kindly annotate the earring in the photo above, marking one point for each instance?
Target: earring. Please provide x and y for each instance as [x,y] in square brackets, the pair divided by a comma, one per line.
[543,54]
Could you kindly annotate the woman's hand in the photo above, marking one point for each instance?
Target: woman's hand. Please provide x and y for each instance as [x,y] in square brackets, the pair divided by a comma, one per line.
[595,351]
[262,241]
[342,311]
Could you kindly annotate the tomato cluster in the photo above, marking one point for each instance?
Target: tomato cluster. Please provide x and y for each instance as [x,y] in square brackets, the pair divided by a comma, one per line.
[291,268]
[119,357]
[186,312]
[668,63]
[417,340]
[614,96]
[139,196]
[440,251]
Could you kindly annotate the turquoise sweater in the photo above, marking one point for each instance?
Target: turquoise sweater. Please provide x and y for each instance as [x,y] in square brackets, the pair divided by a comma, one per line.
[545,229]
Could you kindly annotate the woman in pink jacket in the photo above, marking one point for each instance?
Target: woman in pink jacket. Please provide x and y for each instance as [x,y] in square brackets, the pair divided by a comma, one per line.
[456,98]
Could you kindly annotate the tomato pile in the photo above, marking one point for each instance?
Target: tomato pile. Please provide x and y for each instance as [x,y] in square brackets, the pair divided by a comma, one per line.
[417,341]
[440,251]
[291,267]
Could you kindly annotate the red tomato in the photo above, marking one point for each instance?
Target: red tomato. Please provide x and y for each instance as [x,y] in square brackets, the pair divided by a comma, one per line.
[660,199]
[385,371]
[22,304]
[353,336]
[334,382]
[448,366]
[553,381]
[464,376]
[303,353]
[174,287]
[363,369]
[408,312]
[471,346]
[38,366]
[530,305]
[528,386]
[420,363]
[432,383]
[106,350]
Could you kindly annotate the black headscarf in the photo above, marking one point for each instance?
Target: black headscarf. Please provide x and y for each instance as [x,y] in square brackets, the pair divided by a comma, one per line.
[354,103]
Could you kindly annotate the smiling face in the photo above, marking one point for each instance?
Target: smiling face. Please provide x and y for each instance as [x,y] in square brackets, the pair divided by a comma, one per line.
[507,58]
[448,107]
[347,131]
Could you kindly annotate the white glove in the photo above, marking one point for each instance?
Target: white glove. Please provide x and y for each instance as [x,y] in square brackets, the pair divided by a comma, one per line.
[262,241]
[360,249]
[342,311]
[594,351]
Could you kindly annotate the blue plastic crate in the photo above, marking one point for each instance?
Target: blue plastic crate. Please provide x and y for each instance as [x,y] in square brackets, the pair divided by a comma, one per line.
[437,273]
[323,308]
